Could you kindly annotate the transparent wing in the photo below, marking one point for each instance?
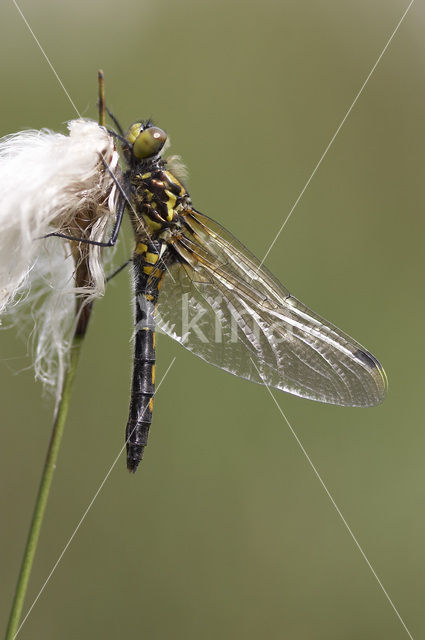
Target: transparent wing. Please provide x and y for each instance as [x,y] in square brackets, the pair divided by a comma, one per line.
[220,304]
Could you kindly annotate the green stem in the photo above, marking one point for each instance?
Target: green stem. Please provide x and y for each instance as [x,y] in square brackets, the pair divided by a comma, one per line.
[43,492]
[83,311]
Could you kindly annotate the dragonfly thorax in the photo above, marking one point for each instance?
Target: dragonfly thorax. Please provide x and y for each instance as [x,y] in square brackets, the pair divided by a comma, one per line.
[157,197]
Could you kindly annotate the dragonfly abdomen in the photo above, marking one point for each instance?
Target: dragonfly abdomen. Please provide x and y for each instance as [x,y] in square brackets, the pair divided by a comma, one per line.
[147,278]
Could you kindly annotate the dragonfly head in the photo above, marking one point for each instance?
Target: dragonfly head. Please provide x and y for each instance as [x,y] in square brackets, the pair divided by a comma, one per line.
[147,140]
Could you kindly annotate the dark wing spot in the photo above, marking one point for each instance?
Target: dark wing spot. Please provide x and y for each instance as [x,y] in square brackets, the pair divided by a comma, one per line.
[367,358]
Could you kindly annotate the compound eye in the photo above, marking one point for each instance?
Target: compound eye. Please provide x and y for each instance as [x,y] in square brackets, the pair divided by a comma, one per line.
[134,131]
[149,142]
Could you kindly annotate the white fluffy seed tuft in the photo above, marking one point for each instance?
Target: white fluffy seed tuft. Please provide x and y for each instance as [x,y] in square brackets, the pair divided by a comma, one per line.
[52,182]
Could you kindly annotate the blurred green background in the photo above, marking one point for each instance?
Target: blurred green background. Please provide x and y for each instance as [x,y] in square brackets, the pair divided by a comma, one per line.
[225,532]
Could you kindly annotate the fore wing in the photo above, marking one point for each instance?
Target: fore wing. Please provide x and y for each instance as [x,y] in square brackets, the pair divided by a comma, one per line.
[220,304]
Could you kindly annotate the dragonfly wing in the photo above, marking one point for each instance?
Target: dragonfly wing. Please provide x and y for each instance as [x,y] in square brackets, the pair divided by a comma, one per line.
[219,303]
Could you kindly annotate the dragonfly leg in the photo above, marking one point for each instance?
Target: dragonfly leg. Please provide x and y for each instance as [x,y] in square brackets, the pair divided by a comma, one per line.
[119,137]
[123,200]
[117,271]
[115,121]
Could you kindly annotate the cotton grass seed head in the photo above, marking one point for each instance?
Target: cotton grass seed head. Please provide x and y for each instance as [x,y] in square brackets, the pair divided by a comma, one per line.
[50,182]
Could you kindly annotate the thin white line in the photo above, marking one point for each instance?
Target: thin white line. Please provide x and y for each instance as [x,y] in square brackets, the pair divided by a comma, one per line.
[83,517]
[46,57]
[334,504]
[335,134]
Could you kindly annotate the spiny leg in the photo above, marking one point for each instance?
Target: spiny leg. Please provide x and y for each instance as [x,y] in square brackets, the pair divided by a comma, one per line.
[115,121]
[109,243]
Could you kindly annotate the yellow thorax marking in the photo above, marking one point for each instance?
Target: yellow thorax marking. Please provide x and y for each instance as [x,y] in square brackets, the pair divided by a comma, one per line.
[174,180]
[172,199]
[155,226]
[171,203]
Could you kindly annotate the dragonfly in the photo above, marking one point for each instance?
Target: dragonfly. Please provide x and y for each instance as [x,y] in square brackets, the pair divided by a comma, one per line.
[247,322]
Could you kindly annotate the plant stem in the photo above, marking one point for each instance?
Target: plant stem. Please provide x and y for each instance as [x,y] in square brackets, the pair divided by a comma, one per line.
[43,492]
[101,98]
[83,311]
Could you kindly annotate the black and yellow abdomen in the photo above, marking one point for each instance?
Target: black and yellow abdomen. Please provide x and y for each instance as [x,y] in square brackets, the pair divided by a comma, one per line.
[147,278]
[156,198]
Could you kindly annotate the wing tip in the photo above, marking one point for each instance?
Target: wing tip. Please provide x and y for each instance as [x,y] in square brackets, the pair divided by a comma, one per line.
[375,367]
